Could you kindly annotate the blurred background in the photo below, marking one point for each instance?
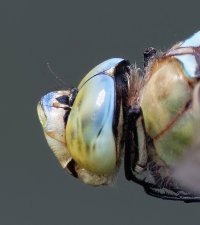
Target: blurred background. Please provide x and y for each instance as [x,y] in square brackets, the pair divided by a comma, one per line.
[74,36]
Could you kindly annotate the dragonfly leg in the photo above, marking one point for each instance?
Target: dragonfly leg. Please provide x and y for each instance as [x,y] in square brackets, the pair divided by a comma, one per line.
[172,194]
[135,158]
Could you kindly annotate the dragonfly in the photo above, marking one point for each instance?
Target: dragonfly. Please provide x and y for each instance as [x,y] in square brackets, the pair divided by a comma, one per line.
[149,118]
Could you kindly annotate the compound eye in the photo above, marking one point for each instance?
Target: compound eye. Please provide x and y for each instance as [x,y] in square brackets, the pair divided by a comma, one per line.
[89,131]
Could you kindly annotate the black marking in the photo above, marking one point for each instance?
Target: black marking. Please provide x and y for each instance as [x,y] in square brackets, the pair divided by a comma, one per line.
[99,131]
[74,92]
[71,167]
[131,142]
[64,99]
[65,118]
[68,101]
[122,67]
[149,53]
[121,74]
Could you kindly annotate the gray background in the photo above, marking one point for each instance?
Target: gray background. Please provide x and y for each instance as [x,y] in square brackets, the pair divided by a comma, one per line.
[73,37]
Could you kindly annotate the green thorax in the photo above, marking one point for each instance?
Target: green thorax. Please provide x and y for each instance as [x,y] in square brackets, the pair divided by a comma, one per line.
[166,102]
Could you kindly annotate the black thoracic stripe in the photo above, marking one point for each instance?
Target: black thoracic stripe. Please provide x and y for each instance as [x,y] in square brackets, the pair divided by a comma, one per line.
[131,142]
[121,72]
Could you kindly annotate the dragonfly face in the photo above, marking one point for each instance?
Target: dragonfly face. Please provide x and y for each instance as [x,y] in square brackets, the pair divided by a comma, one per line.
[152,119]
[86,133]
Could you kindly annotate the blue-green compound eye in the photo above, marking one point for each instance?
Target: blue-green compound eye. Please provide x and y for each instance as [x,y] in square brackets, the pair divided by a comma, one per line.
[89,131]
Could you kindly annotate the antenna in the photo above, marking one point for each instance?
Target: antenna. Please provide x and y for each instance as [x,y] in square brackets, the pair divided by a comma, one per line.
[55,75]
